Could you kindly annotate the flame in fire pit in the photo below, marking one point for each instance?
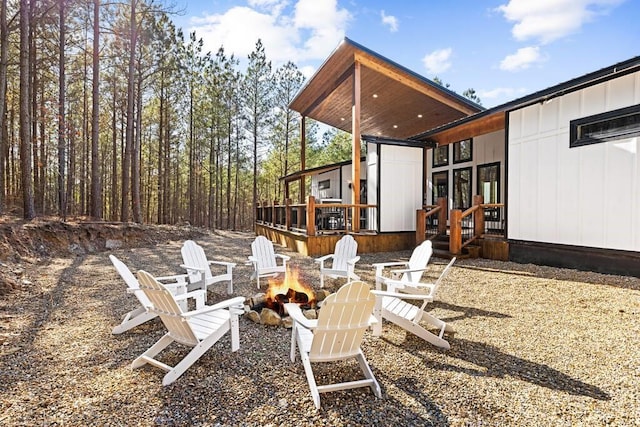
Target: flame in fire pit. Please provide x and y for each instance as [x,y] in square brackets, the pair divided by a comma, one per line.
[289,290]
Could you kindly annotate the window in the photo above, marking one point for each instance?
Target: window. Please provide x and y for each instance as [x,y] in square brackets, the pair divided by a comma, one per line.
[323,185]
[462,188]
[440,186]
[441,156]
[489,188]
[618,124]
[463,151]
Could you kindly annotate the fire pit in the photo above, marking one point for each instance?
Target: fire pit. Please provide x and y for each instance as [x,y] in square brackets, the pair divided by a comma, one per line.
[268,308]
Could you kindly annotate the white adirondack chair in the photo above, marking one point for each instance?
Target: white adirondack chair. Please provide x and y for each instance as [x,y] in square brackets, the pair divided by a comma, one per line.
[411,271]
[265,260]
[199,268]
[199,329]
[343,260]
[335,335]
[393,306]
[142,314]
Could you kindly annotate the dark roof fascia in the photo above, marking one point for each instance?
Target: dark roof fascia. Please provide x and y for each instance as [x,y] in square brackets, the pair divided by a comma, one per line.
[617,70]
[318,170]
[401,142]
[394,64]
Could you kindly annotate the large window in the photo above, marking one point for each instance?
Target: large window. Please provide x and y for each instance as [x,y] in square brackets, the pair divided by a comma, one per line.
[489,188]
[618,124]
[440,186]
[462,188]
[463,151]
[441,156]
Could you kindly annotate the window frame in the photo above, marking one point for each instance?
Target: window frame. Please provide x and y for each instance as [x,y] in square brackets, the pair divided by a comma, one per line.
[575,140]
[445,162]
[490,214]
[470,191]
[457,151]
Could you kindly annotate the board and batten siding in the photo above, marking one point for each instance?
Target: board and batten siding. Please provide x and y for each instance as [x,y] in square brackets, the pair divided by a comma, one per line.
[401,175]
[583,196]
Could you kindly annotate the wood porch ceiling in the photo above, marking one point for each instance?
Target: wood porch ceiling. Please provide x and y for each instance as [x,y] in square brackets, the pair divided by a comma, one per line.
[395,102]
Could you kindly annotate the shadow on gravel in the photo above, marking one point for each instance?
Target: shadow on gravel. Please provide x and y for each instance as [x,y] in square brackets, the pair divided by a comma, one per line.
[467,312]
[553,273]
[498,364]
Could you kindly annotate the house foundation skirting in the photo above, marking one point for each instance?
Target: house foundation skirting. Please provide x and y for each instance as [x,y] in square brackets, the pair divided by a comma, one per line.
[607,261]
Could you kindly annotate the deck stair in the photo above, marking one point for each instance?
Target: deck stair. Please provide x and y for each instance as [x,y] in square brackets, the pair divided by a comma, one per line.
[441,249]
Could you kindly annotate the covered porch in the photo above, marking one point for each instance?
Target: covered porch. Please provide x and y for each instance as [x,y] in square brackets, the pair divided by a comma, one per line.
[384,200]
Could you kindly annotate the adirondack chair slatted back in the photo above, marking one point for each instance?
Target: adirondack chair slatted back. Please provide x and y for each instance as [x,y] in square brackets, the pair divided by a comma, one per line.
[262,250]
[346,249]
[130,280]
[193,255]
[164,304]
[418,261]
[342,321]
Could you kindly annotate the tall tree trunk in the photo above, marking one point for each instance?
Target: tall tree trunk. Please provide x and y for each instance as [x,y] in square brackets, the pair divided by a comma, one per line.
[96,173]
[160,190]
[25,114]
[114,159]
[192,177]
[230,224]
[135,156]
[62,160]
[4,59]
[126,162]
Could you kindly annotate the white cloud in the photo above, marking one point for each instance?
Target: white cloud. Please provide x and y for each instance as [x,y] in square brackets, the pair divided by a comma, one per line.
[389,20]
[549,20]
[325,22]
[438,61]
[303,31]
[501,92]
[522,59]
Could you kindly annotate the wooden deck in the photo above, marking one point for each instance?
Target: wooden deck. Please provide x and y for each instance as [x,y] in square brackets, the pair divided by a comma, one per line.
[325,244]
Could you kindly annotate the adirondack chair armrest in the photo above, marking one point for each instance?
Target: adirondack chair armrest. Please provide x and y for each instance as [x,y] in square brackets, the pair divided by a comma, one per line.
[283,257]
[225,263]
[251,260]
[399,295]
[388,264]
[406,287]
[236,302]
[296,315]
[353,261]
[396,272]
[323,258]
[192,268]
[380,266]
[176,279]
[192,294]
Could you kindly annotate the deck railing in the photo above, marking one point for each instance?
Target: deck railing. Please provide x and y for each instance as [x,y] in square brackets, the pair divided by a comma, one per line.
[431,220]
[316,218]
[479,220]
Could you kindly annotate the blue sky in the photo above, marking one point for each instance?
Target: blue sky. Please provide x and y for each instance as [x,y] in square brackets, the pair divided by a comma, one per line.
[504,49]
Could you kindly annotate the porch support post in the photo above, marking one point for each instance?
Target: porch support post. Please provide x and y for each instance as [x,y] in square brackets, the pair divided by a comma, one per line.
[455,235]
[355,154]
[442,215]
[478,216]
[303,157]
[311,216]
[421,226]
[287,214]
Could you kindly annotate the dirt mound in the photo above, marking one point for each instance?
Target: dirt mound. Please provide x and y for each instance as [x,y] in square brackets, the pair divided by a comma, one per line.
[27,242]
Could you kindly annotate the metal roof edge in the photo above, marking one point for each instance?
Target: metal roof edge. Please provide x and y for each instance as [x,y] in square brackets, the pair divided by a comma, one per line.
[616,70]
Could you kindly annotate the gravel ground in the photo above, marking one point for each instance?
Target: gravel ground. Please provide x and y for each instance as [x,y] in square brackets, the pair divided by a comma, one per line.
[534,346]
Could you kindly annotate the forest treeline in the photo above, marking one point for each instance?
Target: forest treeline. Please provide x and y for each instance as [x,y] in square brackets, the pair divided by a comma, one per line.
[109,111]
